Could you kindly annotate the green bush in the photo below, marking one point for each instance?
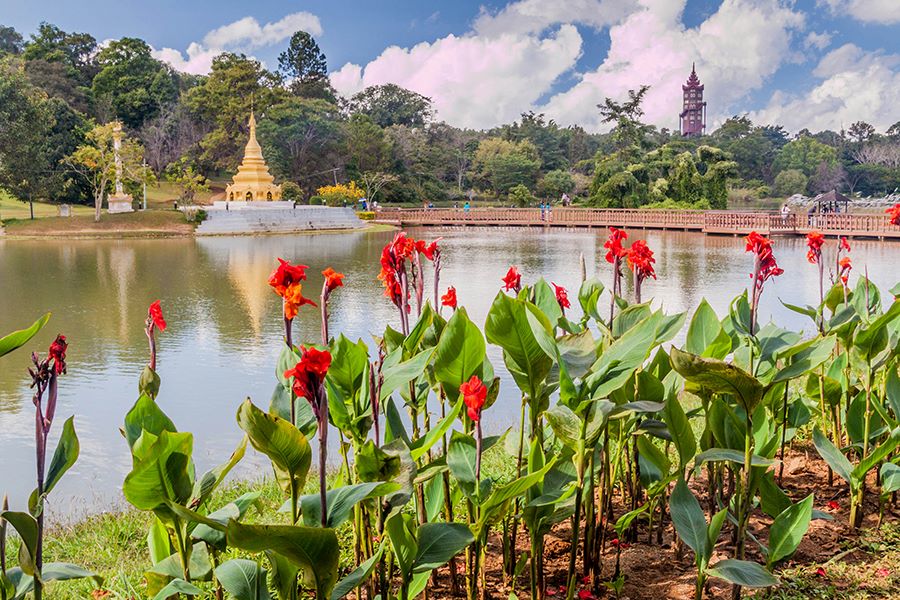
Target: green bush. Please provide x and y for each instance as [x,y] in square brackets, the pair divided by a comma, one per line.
[317,201]
[790,182]
[365,215]
[291,191]
[520,195]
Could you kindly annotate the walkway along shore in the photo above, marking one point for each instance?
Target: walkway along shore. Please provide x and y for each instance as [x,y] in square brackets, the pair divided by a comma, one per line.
[710,222]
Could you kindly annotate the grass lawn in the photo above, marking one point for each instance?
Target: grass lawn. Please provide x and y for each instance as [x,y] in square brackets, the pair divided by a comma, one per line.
[11,208]
[150,223]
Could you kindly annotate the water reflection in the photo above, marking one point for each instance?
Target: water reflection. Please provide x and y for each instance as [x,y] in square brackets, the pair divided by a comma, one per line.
[225,321]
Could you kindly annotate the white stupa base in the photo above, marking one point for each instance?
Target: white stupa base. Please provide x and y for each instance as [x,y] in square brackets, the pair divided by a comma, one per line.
[119,204]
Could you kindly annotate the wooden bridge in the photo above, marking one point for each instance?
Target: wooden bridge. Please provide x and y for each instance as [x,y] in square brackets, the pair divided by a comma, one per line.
[711,222]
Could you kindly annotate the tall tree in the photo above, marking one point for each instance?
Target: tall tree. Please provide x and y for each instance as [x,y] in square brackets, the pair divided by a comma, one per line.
[628,130]
[861,131]
[303,61]
[10,40]
[391,104]
[137,84]
[75,50]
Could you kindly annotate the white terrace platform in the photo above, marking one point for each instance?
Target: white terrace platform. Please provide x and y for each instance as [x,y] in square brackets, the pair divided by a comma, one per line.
[238,218]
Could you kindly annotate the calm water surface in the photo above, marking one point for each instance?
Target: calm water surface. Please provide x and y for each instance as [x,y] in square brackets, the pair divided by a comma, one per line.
[225,324]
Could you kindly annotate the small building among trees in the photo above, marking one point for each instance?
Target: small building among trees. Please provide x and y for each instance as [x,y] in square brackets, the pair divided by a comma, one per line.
[693,107]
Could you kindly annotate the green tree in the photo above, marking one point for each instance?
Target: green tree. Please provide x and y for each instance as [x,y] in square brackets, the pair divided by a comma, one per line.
[556,183]
[304,65]
[76,51]
[805,154]
[25,123]
[861,131]
[501,164]
[10,40]
[546,136]
[136,84]
[95,161]
[628,130]
[303,139]
[790,182]
[368,148]
[187,179]
[223,102]
[390,104]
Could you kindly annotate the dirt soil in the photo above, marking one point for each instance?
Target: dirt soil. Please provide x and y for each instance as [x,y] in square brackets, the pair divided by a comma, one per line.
[653,572]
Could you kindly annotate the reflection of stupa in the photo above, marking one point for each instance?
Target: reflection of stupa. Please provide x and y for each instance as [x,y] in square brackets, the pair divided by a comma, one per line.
[252,180]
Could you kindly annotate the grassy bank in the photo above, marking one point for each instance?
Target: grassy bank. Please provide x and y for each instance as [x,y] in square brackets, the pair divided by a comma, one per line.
[150,223]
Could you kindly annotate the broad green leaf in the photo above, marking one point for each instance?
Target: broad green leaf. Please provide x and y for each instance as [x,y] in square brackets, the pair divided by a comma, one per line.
[243,579]
[680,428]
[735,456]
[688,518]
[315,551]
[566,426]
[19,338]
[64,456]
[655,465]
[890,478]
[205,485]
[161,473]
[509,327]
[589,297]
[340,502]
[400,374]
[215,536]
[878,454]
[831,455]
[718,376]
[421,446]
[304,417]
[461,455]
[27,528]
[358,576]
[459,354]
[743,572]
[168,569]
[177,586]
[148,383]
[146,415]
[788,529]
[284,444]
[438,543]
[401,530]
[158,541]
[545,299]
[811,356]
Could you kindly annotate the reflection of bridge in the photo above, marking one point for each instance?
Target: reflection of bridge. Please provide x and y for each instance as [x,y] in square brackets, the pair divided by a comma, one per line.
[713,222]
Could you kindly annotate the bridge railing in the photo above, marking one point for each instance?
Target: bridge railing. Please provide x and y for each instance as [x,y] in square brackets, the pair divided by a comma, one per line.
[712,221]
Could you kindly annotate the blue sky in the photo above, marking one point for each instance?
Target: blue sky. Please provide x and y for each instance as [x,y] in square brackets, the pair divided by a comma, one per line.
[805,63]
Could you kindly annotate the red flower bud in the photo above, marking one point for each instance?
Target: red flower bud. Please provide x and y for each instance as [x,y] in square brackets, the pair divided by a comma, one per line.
[155,313]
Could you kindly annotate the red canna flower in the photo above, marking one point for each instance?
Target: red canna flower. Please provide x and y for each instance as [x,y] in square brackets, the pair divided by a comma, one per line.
[429,251]
[586,580]
[814,240]
[333,279]
[449,299]
[614,245]
[845,266]
[393,266]
[512,280]
[155,314]
[640,260]
[562,297]
[309,372]
[294,299]
[474,394]
[833,505]
[844,244]
[58,353]
[821,572]
[766,266]
[894,213]
[286,274]
[585,595]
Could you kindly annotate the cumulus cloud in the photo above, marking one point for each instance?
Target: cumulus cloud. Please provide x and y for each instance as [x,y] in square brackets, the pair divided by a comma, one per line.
[474,81]
[243,35]
[818,41]
[534,16]
[855,85]
[884,12]
[735,49]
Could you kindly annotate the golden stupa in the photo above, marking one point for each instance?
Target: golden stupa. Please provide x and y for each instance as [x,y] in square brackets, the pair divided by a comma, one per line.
[252,180]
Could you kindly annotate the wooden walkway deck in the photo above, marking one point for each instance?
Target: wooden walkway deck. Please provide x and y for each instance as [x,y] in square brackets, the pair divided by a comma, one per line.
[711,222]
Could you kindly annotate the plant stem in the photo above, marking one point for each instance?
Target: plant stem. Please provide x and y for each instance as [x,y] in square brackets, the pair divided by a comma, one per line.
[323,450]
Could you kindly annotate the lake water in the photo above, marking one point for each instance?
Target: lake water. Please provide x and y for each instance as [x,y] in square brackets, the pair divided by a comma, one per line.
[225,325]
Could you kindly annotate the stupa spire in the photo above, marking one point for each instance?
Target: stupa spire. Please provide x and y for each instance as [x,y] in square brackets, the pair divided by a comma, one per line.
[253,180]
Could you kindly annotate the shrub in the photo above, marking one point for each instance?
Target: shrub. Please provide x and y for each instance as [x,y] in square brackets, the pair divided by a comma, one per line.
[520,195]
[341,194]
[790,182]
[291,191]
[366,215]
[317,201]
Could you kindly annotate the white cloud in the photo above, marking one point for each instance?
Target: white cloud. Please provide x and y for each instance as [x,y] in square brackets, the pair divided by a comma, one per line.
[818,41]
[736,49]
[243,35]
[475,81]
[856,85]
[534,16]
[884,12]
